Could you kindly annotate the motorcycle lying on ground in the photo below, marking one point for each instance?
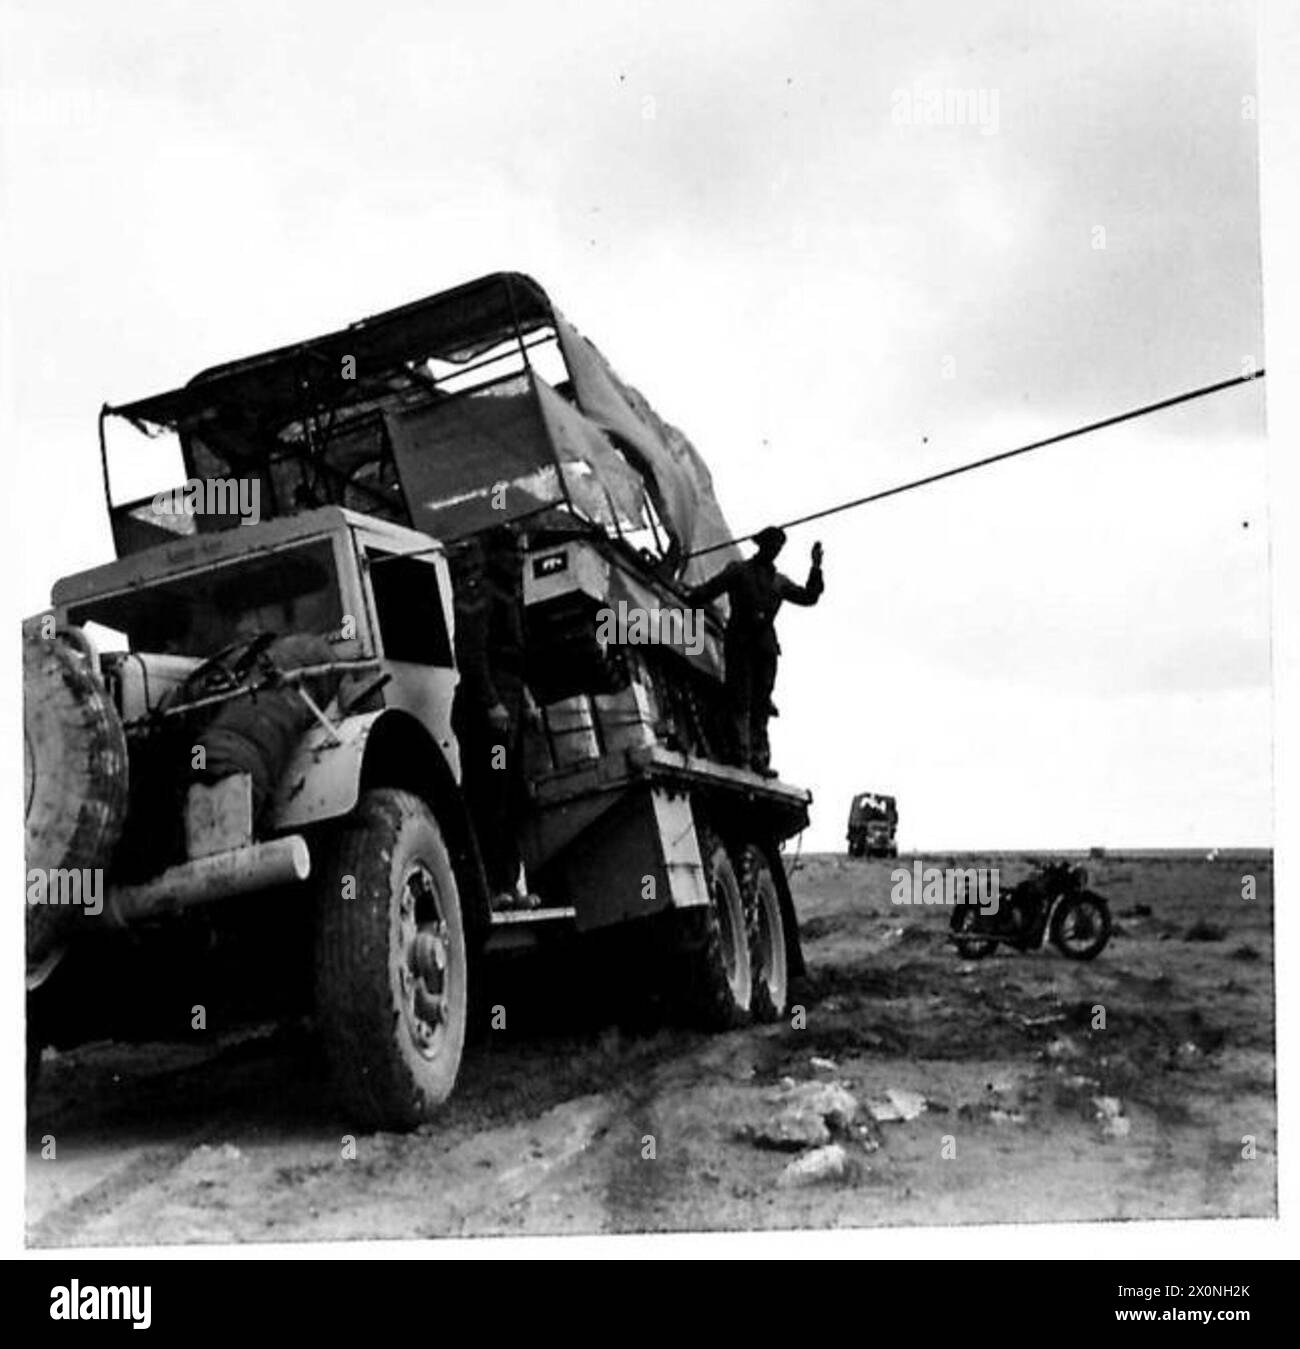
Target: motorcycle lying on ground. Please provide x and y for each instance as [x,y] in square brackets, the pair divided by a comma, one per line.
[1055,901]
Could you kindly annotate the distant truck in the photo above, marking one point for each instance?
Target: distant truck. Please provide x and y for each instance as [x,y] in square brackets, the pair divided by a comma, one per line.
[873,826]
[287,613]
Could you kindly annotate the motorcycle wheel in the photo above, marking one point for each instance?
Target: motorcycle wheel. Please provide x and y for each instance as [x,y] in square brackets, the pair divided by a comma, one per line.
[1080,926]
[964,920]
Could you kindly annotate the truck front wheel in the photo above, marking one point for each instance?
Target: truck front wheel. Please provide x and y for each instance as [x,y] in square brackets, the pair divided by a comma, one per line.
[391,966]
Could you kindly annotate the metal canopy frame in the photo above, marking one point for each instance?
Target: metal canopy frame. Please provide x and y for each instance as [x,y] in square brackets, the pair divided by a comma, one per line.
[291,403]
[499,317]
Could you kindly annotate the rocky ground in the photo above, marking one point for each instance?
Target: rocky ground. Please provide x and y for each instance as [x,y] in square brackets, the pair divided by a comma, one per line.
[917,1088]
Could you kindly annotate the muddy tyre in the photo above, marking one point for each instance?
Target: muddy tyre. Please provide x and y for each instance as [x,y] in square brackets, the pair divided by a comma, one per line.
[716,984]
[74,773]
[392,985]
[1080,926]
[765,929]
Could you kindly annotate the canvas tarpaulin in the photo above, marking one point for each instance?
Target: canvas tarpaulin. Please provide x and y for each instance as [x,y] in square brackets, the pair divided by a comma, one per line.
[600,481]
[678,478]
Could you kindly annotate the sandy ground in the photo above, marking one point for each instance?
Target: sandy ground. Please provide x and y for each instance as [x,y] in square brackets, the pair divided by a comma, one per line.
[1030,1112]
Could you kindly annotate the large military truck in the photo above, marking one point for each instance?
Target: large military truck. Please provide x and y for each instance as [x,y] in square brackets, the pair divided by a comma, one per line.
[242,781]
[873,825]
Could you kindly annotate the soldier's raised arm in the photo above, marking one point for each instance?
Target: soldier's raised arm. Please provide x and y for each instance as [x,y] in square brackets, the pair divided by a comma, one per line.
[811,591]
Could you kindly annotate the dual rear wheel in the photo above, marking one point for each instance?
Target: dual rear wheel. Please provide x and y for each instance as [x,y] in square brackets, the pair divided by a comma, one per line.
[737,969]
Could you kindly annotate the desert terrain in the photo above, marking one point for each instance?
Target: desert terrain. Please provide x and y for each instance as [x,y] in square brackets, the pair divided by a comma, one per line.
[916,1088]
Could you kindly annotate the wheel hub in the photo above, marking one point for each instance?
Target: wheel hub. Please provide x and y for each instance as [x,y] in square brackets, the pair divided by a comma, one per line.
[1080,926]
[722,909]
[424,967]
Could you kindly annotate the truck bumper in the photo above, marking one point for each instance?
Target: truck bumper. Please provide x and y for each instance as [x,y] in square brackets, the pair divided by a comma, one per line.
[257,866]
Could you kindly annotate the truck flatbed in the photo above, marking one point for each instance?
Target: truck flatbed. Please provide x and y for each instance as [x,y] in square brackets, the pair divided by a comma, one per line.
[657,763]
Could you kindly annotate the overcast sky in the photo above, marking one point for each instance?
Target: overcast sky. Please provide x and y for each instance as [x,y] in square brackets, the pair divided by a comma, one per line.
[1069,649]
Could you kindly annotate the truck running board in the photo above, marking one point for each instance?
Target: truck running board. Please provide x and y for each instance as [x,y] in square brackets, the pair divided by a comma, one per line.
[518,929]
[511,917]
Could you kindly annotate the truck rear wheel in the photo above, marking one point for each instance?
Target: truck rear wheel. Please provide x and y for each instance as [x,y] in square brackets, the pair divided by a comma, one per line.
[391,966]
[766,933]
[717,983]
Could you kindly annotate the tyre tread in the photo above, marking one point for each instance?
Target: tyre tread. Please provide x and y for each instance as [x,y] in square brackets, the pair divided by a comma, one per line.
[358,1018]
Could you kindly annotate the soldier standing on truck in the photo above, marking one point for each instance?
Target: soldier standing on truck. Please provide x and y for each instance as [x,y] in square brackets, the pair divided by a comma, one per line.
[756,589]
[491,703]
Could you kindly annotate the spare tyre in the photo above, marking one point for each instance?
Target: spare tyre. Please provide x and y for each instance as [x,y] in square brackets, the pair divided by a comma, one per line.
[74,775]
[258,734]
